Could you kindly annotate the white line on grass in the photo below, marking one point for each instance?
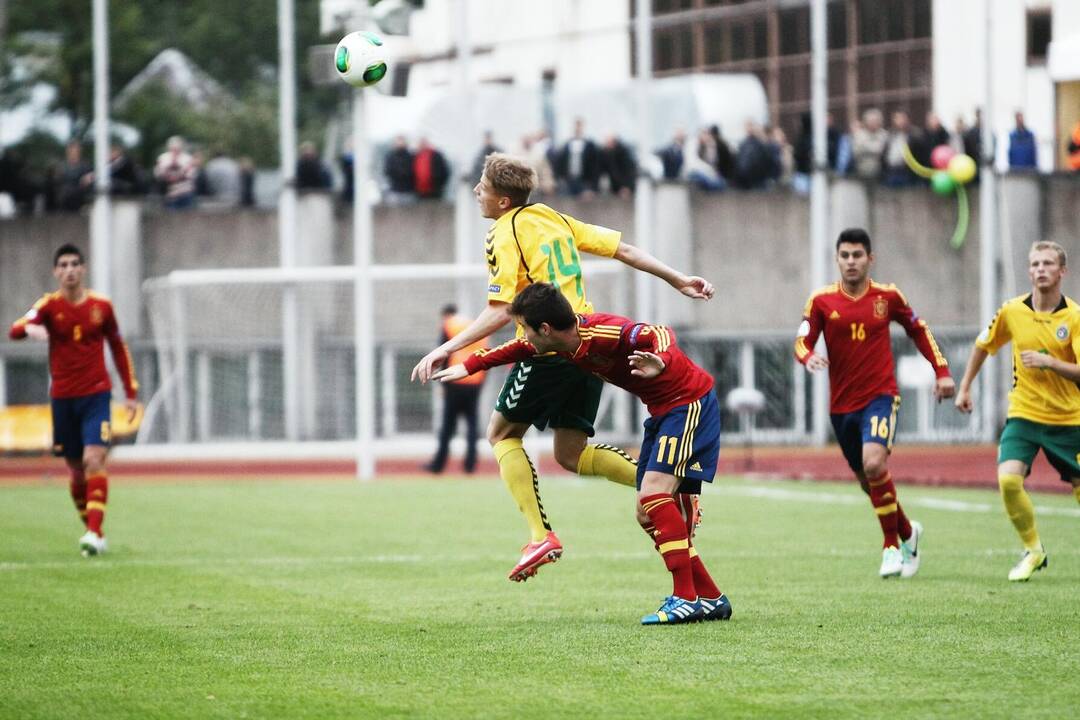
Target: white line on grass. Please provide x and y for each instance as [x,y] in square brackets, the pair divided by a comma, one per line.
[829,498]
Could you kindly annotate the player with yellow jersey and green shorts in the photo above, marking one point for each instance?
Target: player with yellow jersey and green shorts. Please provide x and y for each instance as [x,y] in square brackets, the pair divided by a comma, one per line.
[531,242]
[1044,403]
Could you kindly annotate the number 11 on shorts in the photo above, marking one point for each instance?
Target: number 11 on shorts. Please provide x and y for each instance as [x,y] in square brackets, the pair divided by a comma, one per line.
[667,444]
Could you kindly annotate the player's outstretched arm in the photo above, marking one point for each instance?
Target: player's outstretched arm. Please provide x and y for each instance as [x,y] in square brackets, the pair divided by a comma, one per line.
[975,362]
[490,319]
[451,374]
[689,285]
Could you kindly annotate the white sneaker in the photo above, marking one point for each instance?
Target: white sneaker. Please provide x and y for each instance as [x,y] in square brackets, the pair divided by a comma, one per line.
[910,550]
[1033,561]
[892,562]
[92,544]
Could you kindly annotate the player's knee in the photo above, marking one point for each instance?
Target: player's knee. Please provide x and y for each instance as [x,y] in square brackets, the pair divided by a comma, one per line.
[94,460]
[1010,483]
[568,457]
[874,467]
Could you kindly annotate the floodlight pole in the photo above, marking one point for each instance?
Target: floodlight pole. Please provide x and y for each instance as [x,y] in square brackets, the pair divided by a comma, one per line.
[100,240]
[363,296]
[988,234]
[290,330]
[644,220]
[465,243]
[819,190]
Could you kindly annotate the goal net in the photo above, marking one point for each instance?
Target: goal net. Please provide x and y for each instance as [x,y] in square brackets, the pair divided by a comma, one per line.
[269,361]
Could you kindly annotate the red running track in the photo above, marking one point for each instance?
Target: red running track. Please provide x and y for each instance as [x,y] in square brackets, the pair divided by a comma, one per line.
[958,466]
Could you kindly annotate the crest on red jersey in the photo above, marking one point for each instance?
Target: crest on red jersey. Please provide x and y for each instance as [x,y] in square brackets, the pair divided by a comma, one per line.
[881,308]
[95,315]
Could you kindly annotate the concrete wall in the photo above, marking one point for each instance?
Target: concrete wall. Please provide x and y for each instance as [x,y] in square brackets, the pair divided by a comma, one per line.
[751,245]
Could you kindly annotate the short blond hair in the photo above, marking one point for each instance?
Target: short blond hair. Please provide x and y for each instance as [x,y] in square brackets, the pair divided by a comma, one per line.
[1050,245]
[510,177]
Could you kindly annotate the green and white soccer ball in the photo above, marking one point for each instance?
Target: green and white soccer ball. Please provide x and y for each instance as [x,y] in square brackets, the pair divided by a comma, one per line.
[360,59]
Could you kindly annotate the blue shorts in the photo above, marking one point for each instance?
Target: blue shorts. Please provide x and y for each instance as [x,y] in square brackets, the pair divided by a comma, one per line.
[81,421]
[875,423]
[684,442]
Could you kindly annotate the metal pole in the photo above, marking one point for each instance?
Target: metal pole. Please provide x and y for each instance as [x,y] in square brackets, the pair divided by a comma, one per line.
[100,250]
[287,216]
[819,191]
[363,297]
[988,240]
[643,193]
[465,243]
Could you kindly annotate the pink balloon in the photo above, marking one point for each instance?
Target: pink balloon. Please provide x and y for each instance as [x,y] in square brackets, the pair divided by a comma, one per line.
[941,156]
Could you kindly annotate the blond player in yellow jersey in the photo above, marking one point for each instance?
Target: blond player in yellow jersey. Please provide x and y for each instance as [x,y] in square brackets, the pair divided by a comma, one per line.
[528,243]
[1044,404]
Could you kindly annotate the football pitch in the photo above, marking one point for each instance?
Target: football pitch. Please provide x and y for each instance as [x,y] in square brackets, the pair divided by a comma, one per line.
[327,599]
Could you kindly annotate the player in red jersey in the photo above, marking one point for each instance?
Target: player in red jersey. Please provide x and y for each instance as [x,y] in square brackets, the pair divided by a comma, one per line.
[77,322]
[681,446]
[854,314]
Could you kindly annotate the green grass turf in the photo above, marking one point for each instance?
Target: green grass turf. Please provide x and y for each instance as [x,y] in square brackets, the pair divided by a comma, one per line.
[334,599]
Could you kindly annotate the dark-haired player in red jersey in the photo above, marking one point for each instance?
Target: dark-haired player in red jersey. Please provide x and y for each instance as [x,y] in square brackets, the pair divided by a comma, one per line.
[682,435]
[854,314]
[77,322]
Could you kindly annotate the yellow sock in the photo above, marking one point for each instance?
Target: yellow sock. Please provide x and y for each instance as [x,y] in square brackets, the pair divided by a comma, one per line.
[1020,510]
[518,473]
[1076,492]
[609,462]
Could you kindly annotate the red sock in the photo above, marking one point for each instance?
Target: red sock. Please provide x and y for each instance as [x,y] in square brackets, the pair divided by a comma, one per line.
[703,581]
[883,498]
[77,485]
[672,542]
[903,525]
[688,508]
[97,494]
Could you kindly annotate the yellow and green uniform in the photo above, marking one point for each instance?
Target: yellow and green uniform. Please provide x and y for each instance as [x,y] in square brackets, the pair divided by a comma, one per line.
[535,243]
[1044,407]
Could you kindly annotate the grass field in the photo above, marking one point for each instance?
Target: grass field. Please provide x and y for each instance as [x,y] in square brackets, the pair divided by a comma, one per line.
[333,599]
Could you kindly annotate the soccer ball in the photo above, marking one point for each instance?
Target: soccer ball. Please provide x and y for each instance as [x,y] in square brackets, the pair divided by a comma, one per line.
[360,59]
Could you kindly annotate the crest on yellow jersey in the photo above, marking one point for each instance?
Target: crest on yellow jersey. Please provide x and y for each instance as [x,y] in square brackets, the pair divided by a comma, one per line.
[881,308]
[1062,333]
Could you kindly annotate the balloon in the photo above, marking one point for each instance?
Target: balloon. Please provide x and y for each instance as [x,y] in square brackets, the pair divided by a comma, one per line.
[962,169]
[941,156]
[942,183]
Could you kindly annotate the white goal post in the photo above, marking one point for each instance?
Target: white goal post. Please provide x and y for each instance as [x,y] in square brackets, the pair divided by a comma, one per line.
[292,329]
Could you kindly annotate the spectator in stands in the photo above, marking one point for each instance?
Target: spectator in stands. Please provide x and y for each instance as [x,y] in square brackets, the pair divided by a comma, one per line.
[16,182]
[973,140]
[896,171]
[577,164]
[671,155]
[1073,149]
[398,168]
[845,152]
[175,172]
[755,162]
[430,171]
[618,164]
[74,179]
[345,162]
[724,162]
[247,182]
[536,149]
[198,165]
[933,135]
[223,175]
[784,156]
[311,171]
[869,141]
[1022,151]
[125,176]
[486,149]
[697,168]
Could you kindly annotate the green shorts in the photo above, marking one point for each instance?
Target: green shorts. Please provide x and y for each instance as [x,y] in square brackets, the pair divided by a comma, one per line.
[1021,440]
[551,392]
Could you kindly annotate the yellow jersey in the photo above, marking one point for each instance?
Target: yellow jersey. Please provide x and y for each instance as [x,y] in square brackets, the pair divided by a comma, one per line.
[534,243]
[1038,394]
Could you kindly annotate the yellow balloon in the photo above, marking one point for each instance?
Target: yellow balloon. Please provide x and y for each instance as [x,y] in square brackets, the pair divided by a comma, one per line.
[962,169]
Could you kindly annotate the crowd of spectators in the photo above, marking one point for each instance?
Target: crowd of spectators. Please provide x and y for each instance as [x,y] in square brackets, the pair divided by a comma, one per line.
[579,167]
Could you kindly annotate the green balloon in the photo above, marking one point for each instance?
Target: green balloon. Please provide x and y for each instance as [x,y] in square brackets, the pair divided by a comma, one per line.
[942,183]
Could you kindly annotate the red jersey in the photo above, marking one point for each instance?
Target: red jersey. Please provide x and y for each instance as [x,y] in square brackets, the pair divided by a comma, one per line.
[861,365]
[77,335]
[606,344]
